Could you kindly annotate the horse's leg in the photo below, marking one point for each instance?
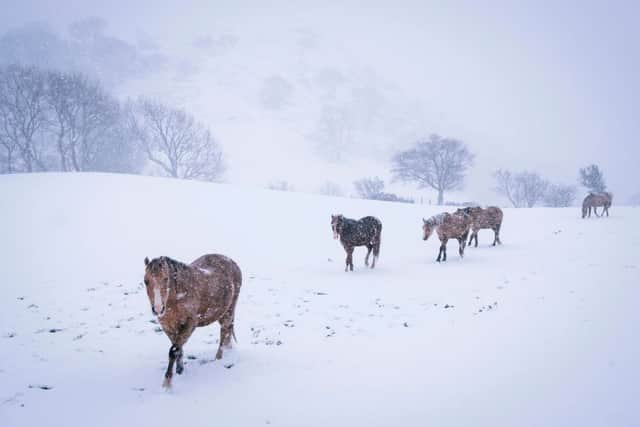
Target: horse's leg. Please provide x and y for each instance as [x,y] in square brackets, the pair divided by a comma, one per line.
[175,352]
[366,259]
[595,211]
[349,259]
[444,250]
[226,330]
[496,239]
[461,243]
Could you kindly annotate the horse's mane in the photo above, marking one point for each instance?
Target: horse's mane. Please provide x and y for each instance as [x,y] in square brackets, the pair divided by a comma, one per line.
[174,266]
[437,219]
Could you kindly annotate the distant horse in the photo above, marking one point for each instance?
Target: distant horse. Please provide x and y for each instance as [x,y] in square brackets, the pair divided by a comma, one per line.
[448,226]
[363,232]
[489,218]
[593,200]
[184,297]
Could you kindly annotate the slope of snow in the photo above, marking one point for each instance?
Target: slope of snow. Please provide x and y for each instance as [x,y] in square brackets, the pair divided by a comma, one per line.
[538,331]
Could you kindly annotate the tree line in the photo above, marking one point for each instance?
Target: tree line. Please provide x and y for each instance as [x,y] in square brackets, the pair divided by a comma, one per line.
[61,121]
[442,163]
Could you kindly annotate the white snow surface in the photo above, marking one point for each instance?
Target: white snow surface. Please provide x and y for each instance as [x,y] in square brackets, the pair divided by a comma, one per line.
[541,331]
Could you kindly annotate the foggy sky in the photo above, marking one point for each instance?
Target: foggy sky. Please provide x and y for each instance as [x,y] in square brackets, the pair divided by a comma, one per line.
[547,86]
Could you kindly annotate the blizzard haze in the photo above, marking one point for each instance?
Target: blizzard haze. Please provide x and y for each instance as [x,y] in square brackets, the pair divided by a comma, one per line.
[539,86]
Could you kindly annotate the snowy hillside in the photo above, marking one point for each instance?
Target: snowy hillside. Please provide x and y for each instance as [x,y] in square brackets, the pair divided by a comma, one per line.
[539,331]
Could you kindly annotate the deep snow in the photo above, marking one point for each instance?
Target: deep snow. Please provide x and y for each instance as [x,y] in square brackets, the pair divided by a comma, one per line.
[539,331]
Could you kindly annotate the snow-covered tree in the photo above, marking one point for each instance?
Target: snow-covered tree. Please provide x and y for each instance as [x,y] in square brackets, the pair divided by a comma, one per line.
[592,178]
[560,195]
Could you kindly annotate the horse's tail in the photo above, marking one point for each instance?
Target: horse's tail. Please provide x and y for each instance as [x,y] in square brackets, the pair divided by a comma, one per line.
[376,239]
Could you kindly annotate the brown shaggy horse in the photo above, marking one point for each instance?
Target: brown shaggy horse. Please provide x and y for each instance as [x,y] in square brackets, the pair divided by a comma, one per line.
[185,297]
[489,218]
[593,200]
[448,226]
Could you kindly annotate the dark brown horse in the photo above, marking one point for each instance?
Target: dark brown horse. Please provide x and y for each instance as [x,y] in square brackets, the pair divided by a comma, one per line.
[593,200]
[448,226]
[185,297]
[363,232]
[489,218]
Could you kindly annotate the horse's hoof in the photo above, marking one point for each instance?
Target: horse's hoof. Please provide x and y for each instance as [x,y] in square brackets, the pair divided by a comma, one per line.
[166,384]
[179,370]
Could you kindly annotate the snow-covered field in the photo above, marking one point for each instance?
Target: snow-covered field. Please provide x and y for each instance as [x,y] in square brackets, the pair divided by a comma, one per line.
[541,331]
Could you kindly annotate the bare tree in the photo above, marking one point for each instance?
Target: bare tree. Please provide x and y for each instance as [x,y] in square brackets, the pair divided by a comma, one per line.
[523,189]
[280,185]
[592,178]
[330,188]
[175,142]
[334,132]
[369,188]
[22,117]
[560,195]
[439,163]
[84,120]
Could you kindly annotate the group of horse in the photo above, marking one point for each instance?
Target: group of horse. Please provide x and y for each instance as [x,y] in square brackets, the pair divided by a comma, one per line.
[184,297]
[367,231]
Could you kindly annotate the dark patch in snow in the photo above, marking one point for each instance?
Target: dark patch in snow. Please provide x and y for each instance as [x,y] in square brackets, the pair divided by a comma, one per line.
[41,386]
[32,306]
[138,388]
[229,365]
[10,335]
[20,298]
[55,330]
[321,293]
[157,329]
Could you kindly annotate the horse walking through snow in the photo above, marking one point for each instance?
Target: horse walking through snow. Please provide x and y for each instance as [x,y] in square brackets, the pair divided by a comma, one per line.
[363,232]
[594,200]
[448,226]
[185,297]
[489,218]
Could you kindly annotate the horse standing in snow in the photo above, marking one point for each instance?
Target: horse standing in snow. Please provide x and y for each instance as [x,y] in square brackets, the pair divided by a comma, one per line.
[448,226]
[363,232]
[489,218]
[185,297]
[593,200]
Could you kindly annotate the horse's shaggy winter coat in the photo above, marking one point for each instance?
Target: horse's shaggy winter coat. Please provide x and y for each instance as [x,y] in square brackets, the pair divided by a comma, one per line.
[593,200]
[363,232]
[489,218]
[185,297]
[448,226]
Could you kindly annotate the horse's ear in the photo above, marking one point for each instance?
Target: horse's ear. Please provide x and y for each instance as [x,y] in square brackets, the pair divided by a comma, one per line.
[424,220]
[146,261]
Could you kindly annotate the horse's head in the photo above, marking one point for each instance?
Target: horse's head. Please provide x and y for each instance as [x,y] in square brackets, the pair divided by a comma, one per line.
[427,227]
[337,222]
[157,280]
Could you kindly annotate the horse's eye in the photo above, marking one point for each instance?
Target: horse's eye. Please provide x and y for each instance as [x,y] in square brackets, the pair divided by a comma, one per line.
[146,282]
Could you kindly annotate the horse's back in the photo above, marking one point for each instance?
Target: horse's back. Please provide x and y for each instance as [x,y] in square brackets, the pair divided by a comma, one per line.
[220,265]
[372,221]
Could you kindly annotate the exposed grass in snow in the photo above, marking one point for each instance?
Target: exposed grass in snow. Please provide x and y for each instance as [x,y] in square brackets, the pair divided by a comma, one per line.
[539,331]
